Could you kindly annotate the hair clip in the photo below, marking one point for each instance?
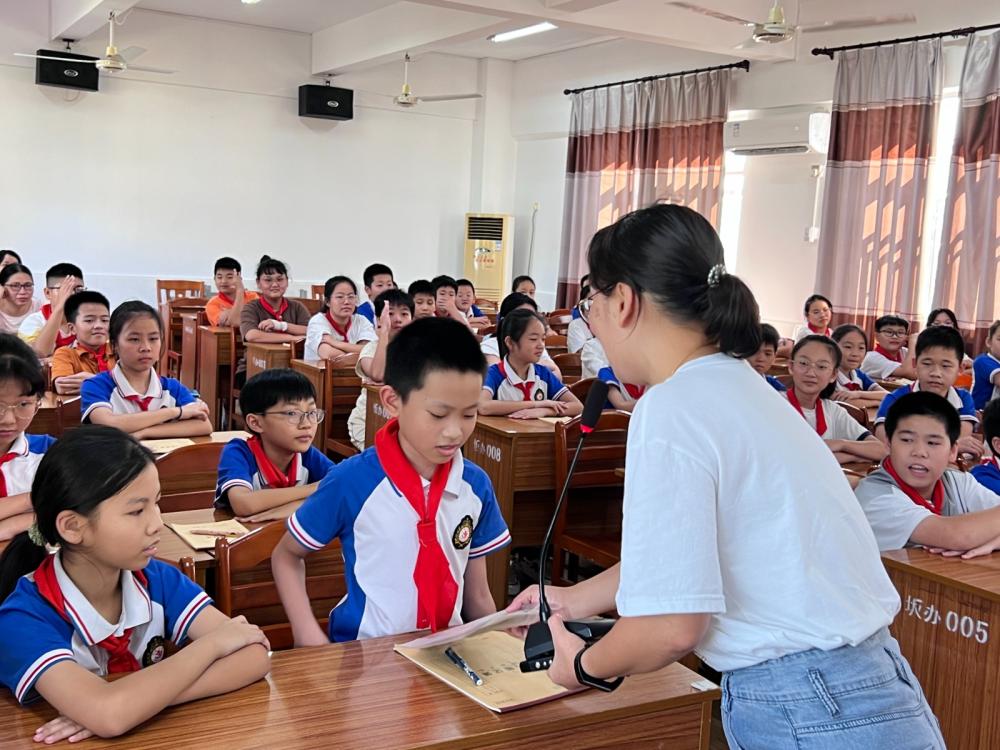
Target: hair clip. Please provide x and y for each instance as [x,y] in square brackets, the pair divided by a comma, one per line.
[35,535]
[715,275]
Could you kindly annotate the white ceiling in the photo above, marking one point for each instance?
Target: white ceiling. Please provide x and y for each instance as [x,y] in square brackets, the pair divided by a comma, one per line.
[306,16]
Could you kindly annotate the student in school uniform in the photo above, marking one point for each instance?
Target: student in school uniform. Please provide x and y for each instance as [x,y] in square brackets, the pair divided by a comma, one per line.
[47,329]
[761,361]
[853,386]
[271,318]
[578,333]
[915,498]
[17,301]
[717,522]
[337,330]
[394,308]
[131,396]
[988,472]
[22,385]
[621,396]
[942,316]
[445,296]
[491,344]
[986,370]
[88,315]
[939,351]
[377,278]
[889,358]
[523,285]
[226,307]
[424,302]
[414,518]
[517,386]
[7,257]
[814,365]
[818,311]
[465,301]
[268,475]
[102,605]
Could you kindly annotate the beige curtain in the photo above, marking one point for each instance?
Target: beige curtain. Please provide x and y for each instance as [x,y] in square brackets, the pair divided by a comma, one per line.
[633,144]
[967,265]
[884,112]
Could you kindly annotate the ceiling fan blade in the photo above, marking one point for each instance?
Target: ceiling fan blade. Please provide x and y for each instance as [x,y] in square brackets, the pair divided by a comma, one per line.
[711,13]
[57,59]
[448,97]
[857,23]
[131,53]
[162,71]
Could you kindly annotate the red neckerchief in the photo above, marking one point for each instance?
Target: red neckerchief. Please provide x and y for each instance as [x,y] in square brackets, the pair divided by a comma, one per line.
[61,340]
[333,324]
[4,459]
[120,659]
[936,502]
[825,332]
[274,477]
[635,391]
[437,591]
[227,299]
[276,314]
[897,357]
[141,401]
[101,355]
[820,417]
[850,385]
[525,387]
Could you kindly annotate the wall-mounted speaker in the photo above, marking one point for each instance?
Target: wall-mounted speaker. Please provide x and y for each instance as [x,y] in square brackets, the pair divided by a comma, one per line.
[326,101]
[81,76]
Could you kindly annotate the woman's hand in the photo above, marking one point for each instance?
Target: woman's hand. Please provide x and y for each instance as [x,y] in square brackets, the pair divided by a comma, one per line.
[59,729]
[559,598]
[567,646]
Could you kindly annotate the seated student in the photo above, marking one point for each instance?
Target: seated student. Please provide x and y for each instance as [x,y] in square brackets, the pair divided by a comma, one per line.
[889,359]
[593,358]
[915,498]
[491,344]
[270,474]
[414,518]
[813,367]
[988,473]
[226,307]
[271,318]
[818,311]
[8,257]
[103,606]
[131,396]
[445,294]
[88,315]
[21,387]
[46,330]
[465,301]
[337,330]
[939,350]
[523,285]
[424,303]
[761,361]
[578,333]
[942,316]
[517,386]
[853,386]
[986,370]
[621,396]
[377,278]
[395,311]
[16,301]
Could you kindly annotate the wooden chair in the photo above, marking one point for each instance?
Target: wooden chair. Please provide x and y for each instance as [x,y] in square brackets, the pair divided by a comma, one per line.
[343,389]
[859,414]
[316,292]
[67,414]
[245,586]
[555,345]
[570,367]
[488,331]
[186,564]
[581,388]
[168,290]
[589,523]
[188,477]
[312,304]
[559,320]
[785,380]
[853,478]
[486,305]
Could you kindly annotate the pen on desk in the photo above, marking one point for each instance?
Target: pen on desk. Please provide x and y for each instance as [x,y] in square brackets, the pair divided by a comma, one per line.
[206,532]
[459,662]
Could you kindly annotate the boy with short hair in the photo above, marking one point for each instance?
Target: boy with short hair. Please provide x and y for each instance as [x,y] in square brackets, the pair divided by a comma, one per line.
[445,296]
[465,301]
[424,304]
[915,498]
[270,474]
[377,278]
[414,517]
[889,358]
[88,316]
[394,308]
[988,473]
[226,307]
[770,339]
[46,330]
[939,352]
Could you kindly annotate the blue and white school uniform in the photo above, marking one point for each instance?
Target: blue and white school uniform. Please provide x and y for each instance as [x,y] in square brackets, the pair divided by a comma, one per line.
[474,312]
[856,381]
[19,464]
[988,475]
[507,385]
[607,375]
[960,398]
[238,468]
[577,334]
[359,329]
[112,390]
[984,389]
[36,636]
[377,528]
[366,310]
[775,383]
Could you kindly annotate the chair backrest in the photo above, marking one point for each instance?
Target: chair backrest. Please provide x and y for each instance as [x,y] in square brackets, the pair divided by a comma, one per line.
[67,414]
[581,388]
[785,380]
[859,414]
[488,331]
[311,304]
[170,289]
[555,340]
[316,291]
[570,366]
[559,320]
[486,305]
[188,476]
[343,388]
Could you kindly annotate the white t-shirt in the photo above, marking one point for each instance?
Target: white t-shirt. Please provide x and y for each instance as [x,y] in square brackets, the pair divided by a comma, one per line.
[358,416]
[765,536]
[802,330]
[839,424]
[592,358]
[879,367]
[11,323]
[360,330]
[577,335]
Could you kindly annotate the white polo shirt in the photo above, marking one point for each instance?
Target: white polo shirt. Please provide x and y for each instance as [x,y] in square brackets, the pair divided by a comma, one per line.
[879,367]
[356,421]
[360,329]
[593,359]
[839,424]
[577,335]
[19,472]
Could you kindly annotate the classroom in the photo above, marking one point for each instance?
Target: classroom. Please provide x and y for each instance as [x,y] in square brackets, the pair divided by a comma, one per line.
[474,373]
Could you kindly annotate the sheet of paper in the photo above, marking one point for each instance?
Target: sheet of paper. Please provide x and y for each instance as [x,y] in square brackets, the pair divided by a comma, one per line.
[555,420]
[207,541]
[225,437]
[496,621]
[165,445]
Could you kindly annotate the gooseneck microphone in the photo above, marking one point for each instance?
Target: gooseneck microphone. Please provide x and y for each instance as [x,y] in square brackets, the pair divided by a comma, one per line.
[538,647]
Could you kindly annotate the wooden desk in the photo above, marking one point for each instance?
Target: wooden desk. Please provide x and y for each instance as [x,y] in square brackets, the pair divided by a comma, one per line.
[215,362]
[360,694]
[343,386]
[375,414]
[262,357]
[189,350]
[56,414]
[949,630]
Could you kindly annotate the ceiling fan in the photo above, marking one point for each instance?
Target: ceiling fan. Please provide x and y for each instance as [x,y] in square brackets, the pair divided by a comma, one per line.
[407,99]
[113,60]
[776,29]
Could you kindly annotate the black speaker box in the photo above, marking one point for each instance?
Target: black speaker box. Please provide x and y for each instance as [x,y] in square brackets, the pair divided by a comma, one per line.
[81,76]
[326,101]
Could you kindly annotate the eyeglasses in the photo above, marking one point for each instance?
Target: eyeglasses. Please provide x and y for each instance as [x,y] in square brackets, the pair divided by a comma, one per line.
[586,303]
[76,289]
[893,334]
[820,368]
[22,409]
[273,280]
[341,298]
[296,416]
[20,287]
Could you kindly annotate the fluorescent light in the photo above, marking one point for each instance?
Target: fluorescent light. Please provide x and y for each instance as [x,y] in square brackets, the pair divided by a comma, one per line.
[250,2]
[538,28]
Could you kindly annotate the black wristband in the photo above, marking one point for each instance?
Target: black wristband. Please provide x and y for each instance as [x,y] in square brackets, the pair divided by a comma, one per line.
[585,679]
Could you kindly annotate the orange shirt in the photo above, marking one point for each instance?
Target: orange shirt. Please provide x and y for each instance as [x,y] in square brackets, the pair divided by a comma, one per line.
[216,306]
[70,360]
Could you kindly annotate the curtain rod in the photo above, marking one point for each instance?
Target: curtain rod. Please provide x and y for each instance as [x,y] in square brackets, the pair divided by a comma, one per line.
[966,31]
[744,64]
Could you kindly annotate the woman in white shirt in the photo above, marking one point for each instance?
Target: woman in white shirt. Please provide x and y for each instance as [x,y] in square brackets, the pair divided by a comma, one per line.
[752,552]
[17,302]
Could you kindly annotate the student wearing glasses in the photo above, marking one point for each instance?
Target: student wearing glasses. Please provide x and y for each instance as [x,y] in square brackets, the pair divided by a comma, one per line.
[17,300]
[338,329]
[48,329]
[889,358]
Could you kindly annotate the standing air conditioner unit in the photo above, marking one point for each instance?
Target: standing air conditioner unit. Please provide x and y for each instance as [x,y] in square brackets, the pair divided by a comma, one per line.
[806,133]
[488,253]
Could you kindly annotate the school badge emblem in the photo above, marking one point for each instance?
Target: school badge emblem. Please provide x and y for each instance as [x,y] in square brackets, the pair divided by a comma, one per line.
[463,533]
[155,651]
[539,396]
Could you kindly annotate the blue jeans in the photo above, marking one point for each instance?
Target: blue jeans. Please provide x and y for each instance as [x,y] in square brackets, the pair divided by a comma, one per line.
[862,697]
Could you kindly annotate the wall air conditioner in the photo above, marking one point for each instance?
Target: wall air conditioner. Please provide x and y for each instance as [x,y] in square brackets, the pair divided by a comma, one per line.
[489,240]
[805,133]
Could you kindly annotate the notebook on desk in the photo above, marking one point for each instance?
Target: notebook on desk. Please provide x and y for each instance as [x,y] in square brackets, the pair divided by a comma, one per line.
[213,530]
